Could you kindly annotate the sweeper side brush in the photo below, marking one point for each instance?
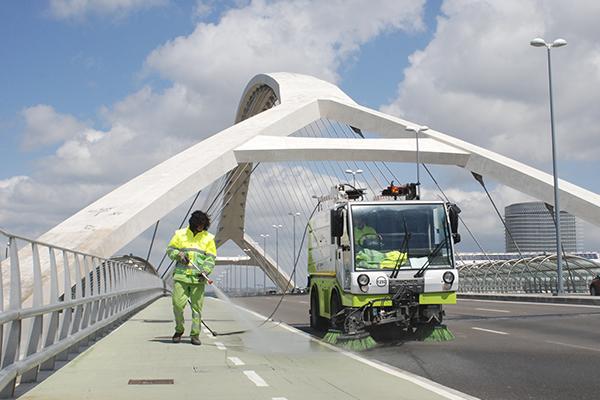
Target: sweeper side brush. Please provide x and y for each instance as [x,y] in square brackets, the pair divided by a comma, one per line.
[358,341]
[437,333]
[332,336]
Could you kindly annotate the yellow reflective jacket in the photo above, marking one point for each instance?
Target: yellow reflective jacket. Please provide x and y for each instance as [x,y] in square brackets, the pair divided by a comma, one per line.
[360,234]
[200,250]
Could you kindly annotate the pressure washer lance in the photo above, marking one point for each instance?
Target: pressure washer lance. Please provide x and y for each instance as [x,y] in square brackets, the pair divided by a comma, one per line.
[203,274]
[210,282]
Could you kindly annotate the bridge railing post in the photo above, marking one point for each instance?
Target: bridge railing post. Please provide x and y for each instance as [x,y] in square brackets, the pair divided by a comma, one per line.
[95,294]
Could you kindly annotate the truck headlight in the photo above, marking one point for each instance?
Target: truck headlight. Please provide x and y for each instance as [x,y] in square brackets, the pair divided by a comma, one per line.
[448,277]
[363,280]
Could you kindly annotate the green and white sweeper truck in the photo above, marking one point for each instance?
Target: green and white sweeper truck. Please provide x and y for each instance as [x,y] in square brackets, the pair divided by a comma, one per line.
[389,261]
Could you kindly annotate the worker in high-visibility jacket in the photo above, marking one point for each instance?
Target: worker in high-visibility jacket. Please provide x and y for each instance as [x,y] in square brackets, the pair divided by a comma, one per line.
[363,231]
[194,251]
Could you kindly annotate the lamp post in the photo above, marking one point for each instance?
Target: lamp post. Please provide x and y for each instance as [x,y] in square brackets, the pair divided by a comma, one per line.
[294,215]
[539,42]
[354,173]
[417,130]
[264,236]
[247,251]
[228,276]
[277,228]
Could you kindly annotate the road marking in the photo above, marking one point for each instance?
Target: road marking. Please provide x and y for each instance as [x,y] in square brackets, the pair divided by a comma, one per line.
[236,361]
[573,345]
[492,310]
[220,346]
[256,379]
[278,398]
[303,302]
[489,330]
[425,383]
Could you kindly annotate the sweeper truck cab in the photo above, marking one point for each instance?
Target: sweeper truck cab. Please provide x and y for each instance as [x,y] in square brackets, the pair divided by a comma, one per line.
[389,261]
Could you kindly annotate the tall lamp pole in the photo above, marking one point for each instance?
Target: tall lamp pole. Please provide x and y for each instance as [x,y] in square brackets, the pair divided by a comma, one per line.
[539,42]
[264,236]
[417,130]
[277,228]
[294,215]
[247,251]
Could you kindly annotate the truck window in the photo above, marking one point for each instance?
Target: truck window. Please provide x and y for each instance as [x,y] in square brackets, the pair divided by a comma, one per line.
[383,234]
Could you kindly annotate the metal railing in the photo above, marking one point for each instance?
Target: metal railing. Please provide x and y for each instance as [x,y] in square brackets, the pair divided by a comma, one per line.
[75,298]
[535,274]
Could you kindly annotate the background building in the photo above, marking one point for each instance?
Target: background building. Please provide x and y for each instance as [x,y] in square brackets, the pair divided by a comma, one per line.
[532,228]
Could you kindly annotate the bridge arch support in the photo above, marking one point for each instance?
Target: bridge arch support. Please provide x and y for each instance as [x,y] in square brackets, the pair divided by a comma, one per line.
[273,107]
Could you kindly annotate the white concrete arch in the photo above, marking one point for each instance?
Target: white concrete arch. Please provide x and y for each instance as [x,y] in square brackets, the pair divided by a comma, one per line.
[272,107]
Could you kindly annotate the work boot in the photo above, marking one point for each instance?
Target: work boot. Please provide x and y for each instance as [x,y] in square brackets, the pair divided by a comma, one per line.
[195,340]
[177,337]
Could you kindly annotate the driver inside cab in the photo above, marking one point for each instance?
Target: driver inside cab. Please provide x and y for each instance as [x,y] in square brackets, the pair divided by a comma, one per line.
[369,249]
[362,232]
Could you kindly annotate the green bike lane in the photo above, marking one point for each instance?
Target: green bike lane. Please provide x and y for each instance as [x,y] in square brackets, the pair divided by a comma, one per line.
[274,361]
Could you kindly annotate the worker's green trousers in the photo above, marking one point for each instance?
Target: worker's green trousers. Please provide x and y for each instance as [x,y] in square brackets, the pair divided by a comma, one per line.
[181,293]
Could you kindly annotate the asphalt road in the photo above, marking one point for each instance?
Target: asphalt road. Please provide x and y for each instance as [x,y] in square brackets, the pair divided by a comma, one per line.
[502,350]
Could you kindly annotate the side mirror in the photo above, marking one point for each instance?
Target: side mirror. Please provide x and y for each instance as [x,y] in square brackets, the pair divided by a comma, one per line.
[336,223]
[453,211]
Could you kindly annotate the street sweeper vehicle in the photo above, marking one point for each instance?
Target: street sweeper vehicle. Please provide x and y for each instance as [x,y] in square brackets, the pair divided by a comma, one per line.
[387,262]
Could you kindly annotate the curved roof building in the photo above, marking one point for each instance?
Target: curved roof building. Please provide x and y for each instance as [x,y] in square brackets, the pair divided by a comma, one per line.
[532,228]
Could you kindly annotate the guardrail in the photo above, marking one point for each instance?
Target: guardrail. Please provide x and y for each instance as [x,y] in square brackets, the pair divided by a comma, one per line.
[536,274]
[95,294]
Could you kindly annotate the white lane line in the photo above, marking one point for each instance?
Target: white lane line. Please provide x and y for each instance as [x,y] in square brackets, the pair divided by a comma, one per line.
[236,361]
[573,345]
[492,310]
[303,302]
[278,398]
[531,303]
[256,379]
[220,346]
[425,383]
[490,331]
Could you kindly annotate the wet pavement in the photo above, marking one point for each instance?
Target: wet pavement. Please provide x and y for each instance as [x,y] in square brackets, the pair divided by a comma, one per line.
[273,361]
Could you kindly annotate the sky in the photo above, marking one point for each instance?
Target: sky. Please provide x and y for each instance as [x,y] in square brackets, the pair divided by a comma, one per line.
[95,92]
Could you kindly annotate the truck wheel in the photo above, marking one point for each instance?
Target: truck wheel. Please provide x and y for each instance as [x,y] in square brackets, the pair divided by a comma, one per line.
[316,321]
[335,307]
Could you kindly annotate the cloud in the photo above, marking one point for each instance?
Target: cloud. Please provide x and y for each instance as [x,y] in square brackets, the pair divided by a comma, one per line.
[44,126]
[31,205]
[479,79]
[202,9]
[479,215]
[208,70]
[301,36]
[78,9]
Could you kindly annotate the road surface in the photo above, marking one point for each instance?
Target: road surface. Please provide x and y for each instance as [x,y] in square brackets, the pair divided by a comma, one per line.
[502,350]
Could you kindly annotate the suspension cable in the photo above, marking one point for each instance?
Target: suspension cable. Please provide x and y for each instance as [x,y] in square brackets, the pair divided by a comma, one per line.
[459,217]
[152,241]
[479,179]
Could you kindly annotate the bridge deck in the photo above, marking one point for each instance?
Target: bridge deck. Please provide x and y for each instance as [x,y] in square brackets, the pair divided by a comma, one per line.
[287,363]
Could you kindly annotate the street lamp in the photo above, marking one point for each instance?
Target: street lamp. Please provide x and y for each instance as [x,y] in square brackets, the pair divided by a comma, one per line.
[417,130]
[247,251]
[264,236]
[277,228]
[294,215]
[539,42]
[358,171]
